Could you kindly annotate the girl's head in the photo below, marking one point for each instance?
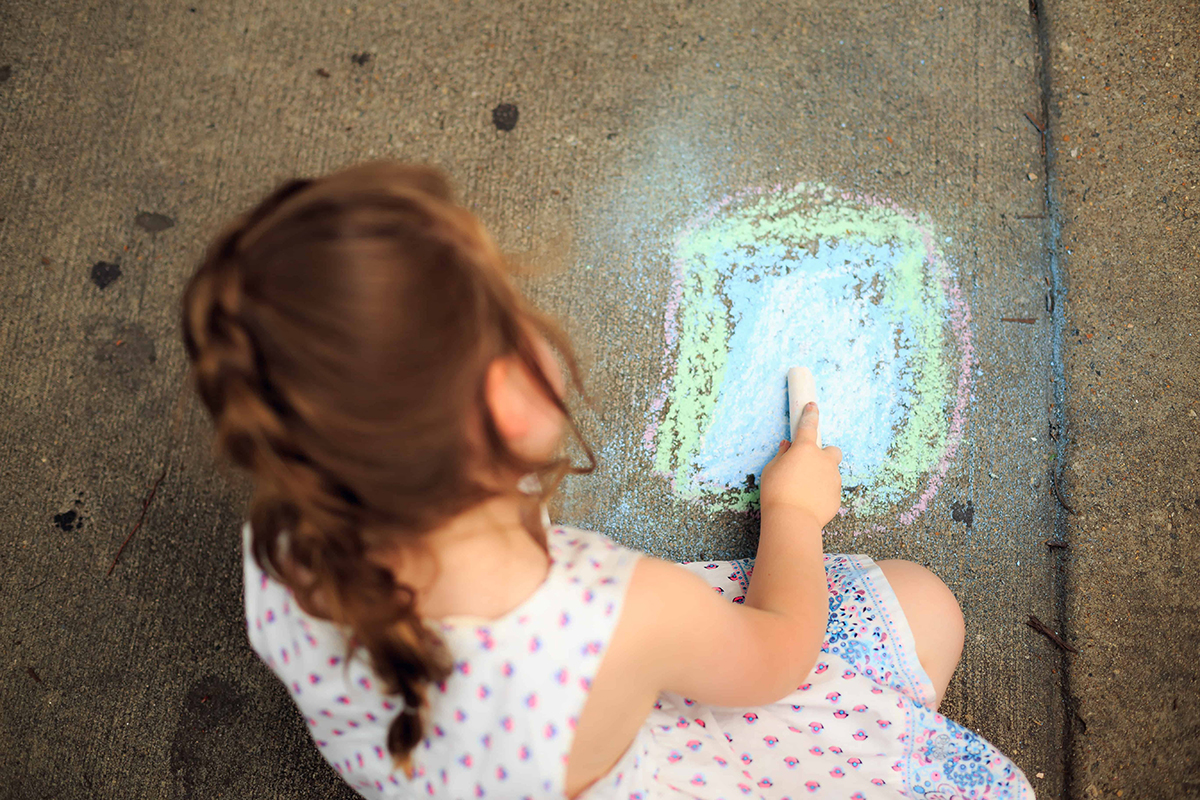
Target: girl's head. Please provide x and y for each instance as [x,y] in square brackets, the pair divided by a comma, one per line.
[366,357]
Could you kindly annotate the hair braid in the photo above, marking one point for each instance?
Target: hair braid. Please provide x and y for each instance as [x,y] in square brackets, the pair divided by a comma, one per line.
[380,261]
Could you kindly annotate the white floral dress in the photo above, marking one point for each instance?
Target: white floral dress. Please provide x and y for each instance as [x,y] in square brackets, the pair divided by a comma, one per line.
[502,724]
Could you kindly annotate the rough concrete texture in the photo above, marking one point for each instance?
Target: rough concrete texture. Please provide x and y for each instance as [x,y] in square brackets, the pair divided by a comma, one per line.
[1124,146]
[633,121]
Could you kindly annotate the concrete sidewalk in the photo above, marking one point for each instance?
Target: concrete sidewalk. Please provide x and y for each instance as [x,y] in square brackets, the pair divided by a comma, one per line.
[648,165]
[1124,154]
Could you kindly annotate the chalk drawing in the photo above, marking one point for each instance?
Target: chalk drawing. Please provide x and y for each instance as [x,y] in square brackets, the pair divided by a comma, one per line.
[853,287]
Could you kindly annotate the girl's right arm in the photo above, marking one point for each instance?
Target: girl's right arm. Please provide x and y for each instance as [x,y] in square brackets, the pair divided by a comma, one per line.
[713,651]
[675,634]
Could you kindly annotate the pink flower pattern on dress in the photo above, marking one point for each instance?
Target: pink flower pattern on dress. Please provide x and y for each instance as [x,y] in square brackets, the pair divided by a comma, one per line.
[502,724]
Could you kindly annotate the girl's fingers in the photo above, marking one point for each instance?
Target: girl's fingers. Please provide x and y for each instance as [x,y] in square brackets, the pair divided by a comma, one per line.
[806,430]
[836,452]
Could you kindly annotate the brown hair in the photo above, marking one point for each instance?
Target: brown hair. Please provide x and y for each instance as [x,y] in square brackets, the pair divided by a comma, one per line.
[339,335]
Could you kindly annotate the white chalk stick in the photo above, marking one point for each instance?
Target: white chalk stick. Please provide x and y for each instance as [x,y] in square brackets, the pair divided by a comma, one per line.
[802,390]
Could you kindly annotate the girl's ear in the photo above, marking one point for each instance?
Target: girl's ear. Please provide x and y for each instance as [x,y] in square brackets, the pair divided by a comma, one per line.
[506,401]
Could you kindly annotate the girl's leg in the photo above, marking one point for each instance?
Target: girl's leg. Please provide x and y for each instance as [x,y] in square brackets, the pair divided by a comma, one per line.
[933,614]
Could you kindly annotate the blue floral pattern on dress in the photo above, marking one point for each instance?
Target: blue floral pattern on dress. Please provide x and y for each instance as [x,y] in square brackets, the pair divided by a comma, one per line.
[950,762]
[861,630]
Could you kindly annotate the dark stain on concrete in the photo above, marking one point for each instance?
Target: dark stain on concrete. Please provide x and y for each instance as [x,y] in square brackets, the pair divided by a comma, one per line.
[72,519]
[963,513]
[361,59]
[153,223]
[203,754]
[104,273]
[5,72]
[504,116]
[68,520]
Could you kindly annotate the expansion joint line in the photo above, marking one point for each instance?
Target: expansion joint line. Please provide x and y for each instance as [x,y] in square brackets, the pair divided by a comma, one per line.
[1073,723]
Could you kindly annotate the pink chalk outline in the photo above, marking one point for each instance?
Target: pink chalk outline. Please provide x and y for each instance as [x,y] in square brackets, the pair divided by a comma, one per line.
[960,326]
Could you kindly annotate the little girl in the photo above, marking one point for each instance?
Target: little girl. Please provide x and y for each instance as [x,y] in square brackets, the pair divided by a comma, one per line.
[399,406]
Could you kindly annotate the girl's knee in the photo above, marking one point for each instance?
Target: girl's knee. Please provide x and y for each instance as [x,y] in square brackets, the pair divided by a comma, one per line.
[933,615]
[925,592]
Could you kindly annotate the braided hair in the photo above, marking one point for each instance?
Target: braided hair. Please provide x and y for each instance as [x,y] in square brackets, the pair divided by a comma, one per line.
[339,335]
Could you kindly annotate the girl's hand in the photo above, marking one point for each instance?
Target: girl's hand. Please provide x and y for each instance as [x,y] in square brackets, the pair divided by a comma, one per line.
[803,477]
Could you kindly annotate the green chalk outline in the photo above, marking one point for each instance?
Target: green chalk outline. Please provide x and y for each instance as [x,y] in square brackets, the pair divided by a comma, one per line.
[803,218]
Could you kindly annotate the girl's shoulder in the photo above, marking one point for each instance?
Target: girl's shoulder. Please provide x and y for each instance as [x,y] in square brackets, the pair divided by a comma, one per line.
[583,563]
[591,560]
[589,575]
[568,544]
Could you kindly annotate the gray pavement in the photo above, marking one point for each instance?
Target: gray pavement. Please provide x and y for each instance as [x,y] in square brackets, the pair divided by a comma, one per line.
[1124,140]
[656,147]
